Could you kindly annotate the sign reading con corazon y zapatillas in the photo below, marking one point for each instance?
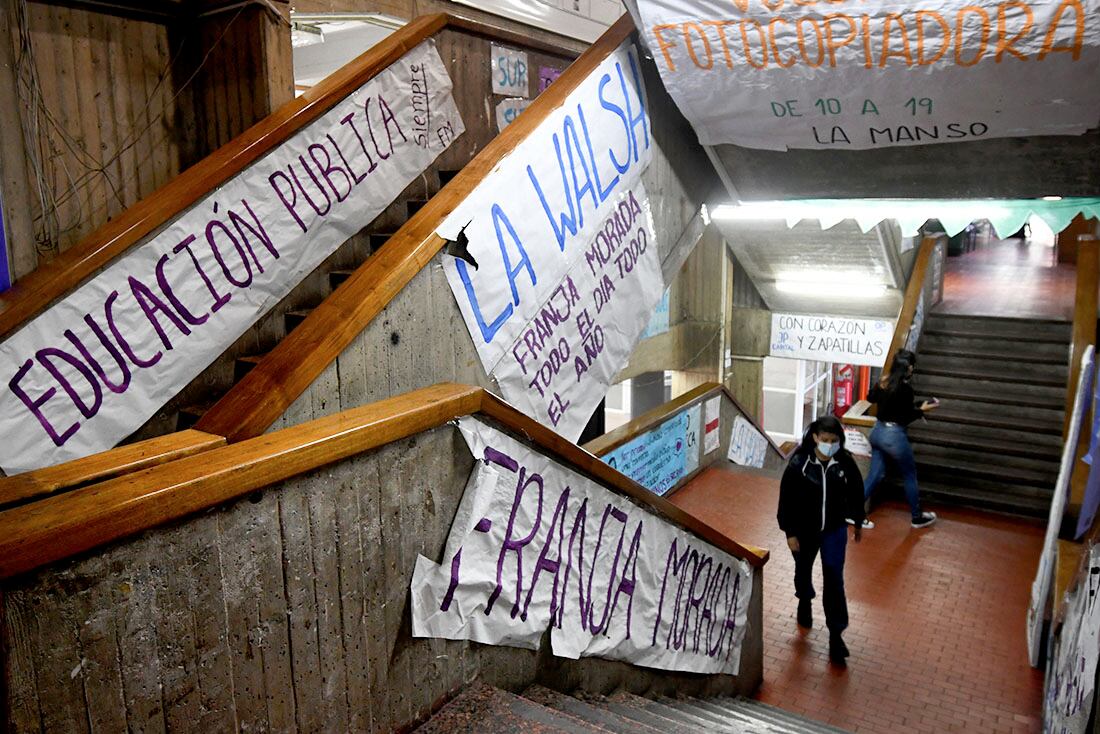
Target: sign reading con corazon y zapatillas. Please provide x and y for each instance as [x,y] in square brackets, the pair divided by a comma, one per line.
[851,74]
[568,268]
[97,364]
[536,546]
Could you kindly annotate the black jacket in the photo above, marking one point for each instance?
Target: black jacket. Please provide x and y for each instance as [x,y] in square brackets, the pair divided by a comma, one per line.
[803,512]
[897,406]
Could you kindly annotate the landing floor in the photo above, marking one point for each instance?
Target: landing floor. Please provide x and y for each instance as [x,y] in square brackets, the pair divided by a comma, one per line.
[1008,278]
[937,616]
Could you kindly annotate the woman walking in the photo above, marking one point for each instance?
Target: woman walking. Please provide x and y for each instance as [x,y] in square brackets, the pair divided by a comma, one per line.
[897,408]
[821,487]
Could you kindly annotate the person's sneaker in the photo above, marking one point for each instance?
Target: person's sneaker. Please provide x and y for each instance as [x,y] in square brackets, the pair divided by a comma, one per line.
[926,519]
[805,614]
[867,524]
[838,651]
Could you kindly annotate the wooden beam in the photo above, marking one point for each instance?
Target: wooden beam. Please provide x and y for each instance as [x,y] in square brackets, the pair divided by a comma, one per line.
[1084,334]
[41,483]
[257,401]
[152,11]
[912,297]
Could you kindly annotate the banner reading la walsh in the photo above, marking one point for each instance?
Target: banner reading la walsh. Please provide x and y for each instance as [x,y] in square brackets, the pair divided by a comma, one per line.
[96,365]
[568,270]
[851,74]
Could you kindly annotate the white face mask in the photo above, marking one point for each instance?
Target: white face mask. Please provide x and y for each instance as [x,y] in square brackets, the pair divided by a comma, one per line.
[827,448]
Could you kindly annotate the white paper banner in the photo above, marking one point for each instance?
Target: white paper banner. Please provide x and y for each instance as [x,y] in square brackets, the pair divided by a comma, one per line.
[712,425]
[568,269]
[747,446]
[509,69]
[508,110]
[94,367]
[848,75]
[856,442]
[1071,678]
[535,545]
[831,338]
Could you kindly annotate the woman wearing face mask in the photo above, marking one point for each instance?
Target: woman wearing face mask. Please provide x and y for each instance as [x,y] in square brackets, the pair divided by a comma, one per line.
[820,488]
[897,408]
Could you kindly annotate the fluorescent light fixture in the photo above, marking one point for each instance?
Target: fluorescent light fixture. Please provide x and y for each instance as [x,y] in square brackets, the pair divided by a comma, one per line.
[1052,198]
[839,284]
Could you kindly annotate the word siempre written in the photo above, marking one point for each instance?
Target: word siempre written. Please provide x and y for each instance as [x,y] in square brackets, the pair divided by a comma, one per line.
[536,546]
[561,230]
[96,365]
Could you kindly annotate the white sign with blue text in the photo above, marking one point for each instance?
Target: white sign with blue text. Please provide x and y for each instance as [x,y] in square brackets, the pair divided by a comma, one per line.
[568,270]
[747,446]
[831,338]
[509,72]
[92,368]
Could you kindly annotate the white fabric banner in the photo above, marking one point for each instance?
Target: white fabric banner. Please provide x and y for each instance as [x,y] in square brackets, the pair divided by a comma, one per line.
[568,269]
[831,338]
[849,75]
[95,366]
[1071,679]
[535,545]
[747,446]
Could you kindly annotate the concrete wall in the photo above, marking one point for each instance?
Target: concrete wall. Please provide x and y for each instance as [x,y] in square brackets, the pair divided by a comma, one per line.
[285,611]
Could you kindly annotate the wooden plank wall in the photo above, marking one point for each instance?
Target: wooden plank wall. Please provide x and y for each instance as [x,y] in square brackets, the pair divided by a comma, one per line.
[287,611]
[130,104]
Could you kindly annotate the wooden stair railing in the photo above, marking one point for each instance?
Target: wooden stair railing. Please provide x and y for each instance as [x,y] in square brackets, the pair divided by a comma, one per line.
[272,385]
[1084,334]
[37,534]
[37,290]
[861,414]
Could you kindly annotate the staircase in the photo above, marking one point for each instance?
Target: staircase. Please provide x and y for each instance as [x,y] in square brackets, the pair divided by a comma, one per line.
[487,710]
[995,442]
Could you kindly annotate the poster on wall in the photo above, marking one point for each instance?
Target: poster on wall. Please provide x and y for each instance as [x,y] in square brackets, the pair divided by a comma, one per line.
[568,271]
[657,459]
[508,110]
[831,338]
[658,324]
[856,442]
[92,368]
[537,546]
[547,76]
[1071,674]
[712,424]
[852,75]
[747,446]
[509,68]
[692,437]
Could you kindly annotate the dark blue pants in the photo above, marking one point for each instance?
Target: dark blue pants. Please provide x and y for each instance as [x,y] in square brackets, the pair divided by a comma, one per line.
[831,545]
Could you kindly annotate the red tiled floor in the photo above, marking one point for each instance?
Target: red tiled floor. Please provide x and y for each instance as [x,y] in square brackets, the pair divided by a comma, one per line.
[937,616]
[1008,278]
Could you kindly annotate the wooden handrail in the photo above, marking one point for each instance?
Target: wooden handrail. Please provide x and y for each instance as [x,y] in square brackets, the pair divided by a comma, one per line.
[37,290]
[265,393]
[913,291]
[65,525]
[41,483]
[648,421]
[1084,313]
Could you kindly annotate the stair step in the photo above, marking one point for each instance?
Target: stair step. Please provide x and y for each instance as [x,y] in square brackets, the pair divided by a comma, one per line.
[993,420]
[294,317]
[687,719]
[337,277]
[1022,436]
[773,714]
[1005,411]
[716,721]
[594,715]
[482,709]
[635,713]
[1047,464]
[1016,329]
[993,346]
[744,719]
[986,499]
[937,475]
[996,472]
[927,440]
[992,369]
[1024,356]
[188,416]
[245,364]
[962,388]
[376,240]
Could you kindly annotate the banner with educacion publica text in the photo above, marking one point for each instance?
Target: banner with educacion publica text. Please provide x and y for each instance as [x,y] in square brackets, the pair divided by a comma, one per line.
[568,270]
[97,364]
[537,546]
[831,338]
[850,75]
